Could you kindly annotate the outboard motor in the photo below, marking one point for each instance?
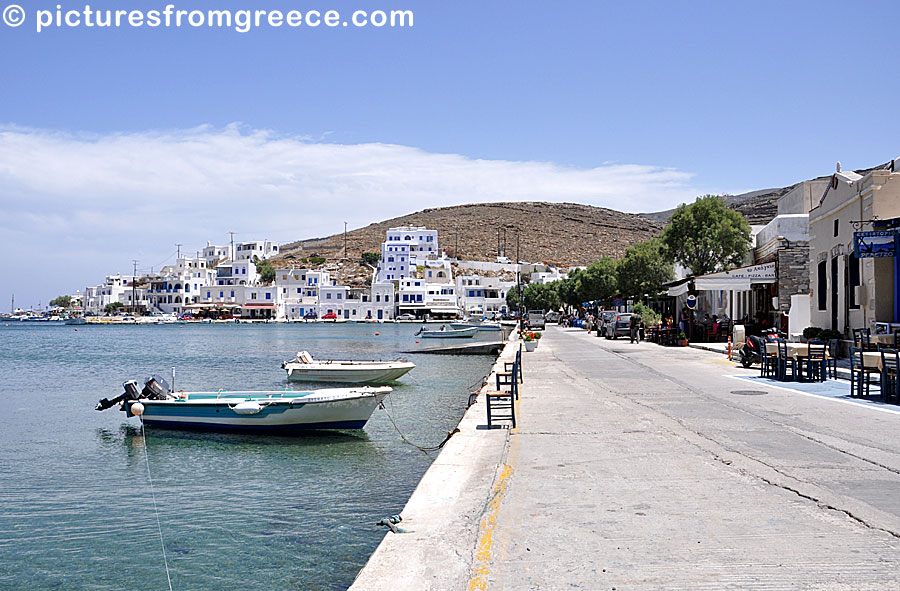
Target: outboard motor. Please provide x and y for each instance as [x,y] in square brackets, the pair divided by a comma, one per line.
[155,388]
[131,393]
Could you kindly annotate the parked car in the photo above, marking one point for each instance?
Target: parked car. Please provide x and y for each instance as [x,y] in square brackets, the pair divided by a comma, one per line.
[552,317]
[620,326]
[535,319]
[310,316]
[329,316]
[604,317]
[406,317]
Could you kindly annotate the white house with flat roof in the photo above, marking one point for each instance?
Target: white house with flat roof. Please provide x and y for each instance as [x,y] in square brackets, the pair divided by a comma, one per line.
[483,296]
[403,249]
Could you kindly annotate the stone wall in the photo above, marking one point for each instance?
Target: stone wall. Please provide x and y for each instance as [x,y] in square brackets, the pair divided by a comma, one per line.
[793,271]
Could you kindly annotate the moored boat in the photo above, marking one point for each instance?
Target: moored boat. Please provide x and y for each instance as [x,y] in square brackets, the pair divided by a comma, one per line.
[482,326]
[277,411]
[447,333]
[304,368]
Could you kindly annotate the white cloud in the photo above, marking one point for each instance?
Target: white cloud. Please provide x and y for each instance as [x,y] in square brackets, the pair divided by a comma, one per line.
[101,200]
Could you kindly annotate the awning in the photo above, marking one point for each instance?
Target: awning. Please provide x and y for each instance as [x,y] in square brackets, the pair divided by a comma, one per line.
[739,279]
[207,306]
[258,306]
[680,289]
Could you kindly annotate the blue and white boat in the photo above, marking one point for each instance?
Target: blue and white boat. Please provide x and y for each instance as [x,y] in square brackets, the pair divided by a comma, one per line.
[276,411]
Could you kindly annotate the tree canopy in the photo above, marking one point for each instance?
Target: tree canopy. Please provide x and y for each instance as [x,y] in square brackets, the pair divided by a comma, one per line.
[538,296]
[644,268]
[706,236]
[265,269]
[371,258]
[62,301]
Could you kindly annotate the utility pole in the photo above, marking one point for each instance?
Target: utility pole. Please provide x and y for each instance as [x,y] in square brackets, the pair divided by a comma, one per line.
[12,307]
[499,252]
[178,256]
[134,289]
[345,240]
[232,245]
[456,248]
[519,284]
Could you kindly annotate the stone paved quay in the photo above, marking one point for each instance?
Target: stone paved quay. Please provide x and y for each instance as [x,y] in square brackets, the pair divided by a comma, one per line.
[642,467]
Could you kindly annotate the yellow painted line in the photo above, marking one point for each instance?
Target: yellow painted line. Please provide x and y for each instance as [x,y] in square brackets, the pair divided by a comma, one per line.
[484,549]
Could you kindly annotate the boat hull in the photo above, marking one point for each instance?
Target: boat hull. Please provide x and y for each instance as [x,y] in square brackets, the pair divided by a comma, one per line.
[346,373]
[463,333]
[214,412]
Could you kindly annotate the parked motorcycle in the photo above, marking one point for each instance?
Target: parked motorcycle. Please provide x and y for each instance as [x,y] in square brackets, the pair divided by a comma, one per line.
[755,346]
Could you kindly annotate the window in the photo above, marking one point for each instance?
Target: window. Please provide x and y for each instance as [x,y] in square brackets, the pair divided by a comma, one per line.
[232,294]
[853,269]
[299,290]
[268,295]
[822,286]
[340,296]
[328,296]
[221,294]
[835,227]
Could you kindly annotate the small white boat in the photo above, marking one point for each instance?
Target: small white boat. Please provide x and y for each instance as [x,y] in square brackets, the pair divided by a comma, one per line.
[448,333]
[278,411]
[304,368]
[482,327]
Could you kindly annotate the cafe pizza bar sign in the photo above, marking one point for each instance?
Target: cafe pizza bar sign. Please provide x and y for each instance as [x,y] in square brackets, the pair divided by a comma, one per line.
[880,243]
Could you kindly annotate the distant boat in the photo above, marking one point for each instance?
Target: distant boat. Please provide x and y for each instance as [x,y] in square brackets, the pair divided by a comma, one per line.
[482,327]
[448,333]
[304,368]
[278,411]
[78,321]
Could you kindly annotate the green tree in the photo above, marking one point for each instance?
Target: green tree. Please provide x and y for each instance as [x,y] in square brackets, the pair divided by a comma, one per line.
[706,236]
[597,282]
[371,258]
[265,269]
[62,301]
[113,307]
[644,268]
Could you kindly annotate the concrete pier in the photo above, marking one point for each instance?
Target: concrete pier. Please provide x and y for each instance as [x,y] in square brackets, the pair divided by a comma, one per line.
[643,467]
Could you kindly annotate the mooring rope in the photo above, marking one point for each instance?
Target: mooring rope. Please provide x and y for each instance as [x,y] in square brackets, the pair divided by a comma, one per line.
[162,542]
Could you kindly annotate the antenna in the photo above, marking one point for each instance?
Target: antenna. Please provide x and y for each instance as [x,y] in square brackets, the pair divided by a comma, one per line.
[134,288]
[178,246]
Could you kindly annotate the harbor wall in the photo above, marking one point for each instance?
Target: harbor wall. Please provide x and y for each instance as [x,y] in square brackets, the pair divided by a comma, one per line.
[442,518]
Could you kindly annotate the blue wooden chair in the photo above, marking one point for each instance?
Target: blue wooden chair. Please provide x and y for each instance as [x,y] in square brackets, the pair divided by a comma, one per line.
[812,367]
[860,375]
[785,361]
[890,375]
[834,347]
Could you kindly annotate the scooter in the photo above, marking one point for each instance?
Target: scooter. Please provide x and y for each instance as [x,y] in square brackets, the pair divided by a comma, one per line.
[753,349]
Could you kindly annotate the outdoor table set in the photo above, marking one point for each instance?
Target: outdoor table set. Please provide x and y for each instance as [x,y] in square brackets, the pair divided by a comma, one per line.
[806,361]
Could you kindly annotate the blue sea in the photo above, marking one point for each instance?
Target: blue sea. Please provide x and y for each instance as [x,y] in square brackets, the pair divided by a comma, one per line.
[236,512]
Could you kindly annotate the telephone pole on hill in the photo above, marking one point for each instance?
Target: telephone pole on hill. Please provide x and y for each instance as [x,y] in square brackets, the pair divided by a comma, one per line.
[178,256]
[232,245]
[134,289]
[345,240]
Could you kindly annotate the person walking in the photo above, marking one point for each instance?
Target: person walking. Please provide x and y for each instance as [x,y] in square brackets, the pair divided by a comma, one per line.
[634,327]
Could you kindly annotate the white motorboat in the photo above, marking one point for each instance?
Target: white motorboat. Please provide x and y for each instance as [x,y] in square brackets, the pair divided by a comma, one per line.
[448,333]
[304,368]
[277,411]
[482,326]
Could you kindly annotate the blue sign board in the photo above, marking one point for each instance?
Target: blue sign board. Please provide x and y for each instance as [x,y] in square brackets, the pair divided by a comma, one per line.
[880,243]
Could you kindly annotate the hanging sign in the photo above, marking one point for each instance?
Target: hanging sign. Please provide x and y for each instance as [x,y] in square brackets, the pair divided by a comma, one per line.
[877,244]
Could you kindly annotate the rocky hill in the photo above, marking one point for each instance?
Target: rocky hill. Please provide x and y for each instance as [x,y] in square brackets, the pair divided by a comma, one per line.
[563,234]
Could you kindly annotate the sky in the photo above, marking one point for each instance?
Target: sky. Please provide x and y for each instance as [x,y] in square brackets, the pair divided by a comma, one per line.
[117,144]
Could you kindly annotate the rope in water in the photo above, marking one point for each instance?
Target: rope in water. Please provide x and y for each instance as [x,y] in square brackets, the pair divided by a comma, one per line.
[162,542]
[425,450]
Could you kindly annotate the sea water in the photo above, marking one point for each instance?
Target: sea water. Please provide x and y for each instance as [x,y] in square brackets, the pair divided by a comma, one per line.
[235,511]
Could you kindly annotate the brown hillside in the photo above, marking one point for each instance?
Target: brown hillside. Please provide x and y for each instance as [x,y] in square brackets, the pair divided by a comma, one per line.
[563,234]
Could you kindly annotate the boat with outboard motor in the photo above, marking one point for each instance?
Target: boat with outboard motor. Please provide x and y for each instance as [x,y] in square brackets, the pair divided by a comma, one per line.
[277,411]
[447,333]
[304,368]
[481,326]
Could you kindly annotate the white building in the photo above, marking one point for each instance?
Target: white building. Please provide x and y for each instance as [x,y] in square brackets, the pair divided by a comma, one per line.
[263,249]
[112,290]
[854,287]
[483,296]
[179,285]
[404,249]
